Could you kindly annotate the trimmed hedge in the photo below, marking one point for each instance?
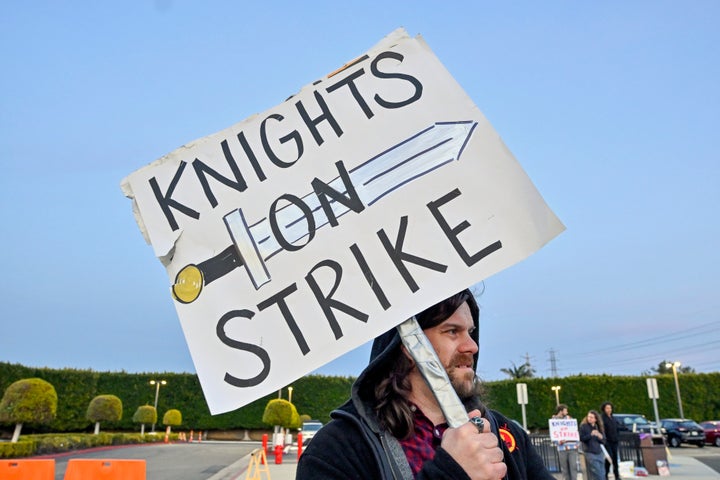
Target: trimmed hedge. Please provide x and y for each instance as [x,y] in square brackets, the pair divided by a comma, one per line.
[46,444]
[700,395]
[317,395]
[24,447]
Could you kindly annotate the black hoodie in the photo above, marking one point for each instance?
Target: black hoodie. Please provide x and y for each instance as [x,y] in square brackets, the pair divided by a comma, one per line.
[353,445]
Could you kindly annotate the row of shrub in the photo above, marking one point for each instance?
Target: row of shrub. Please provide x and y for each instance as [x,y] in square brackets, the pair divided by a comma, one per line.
[46,444]
[314,395]
[317,395]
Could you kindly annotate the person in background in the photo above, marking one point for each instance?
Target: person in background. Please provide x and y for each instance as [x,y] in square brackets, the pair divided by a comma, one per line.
[567,450]
[592,437]
[393,427]
[612,438]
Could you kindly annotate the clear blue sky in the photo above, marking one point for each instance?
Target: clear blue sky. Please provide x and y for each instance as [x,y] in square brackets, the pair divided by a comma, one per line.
[611,107]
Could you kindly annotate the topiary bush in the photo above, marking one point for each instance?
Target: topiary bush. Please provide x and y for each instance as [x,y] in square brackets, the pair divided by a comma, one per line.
[145,414]
[104,408]
[31,400]
[281,412]
[172,418]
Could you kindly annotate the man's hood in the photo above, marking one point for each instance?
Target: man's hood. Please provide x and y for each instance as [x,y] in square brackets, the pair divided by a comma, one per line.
[386,346]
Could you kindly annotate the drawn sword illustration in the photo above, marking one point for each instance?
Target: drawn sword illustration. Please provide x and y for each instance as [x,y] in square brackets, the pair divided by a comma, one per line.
[254,244]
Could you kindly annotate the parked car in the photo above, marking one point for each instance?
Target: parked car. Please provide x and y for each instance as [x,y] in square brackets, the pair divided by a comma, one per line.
[309,429]
[682,430]
[634,422]
[712,432]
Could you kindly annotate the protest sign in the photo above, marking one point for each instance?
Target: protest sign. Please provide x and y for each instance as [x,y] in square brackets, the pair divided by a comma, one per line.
[302,232]
[564,430]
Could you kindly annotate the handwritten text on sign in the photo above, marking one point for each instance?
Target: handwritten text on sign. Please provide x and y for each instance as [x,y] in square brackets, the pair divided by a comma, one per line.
[564,430]
[303,232]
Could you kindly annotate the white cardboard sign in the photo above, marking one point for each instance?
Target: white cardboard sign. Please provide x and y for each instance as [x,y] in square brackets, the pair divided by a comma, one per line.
[304,231]
[564,430]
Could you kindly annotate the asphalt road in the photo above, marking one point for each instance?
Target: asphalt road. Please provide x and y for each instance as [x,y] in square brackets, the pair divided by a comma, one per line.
[175,461]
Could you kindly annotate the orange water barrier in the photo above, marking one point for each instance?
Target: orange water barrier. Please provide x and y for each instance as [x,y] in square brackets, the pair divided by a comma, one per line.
[110,469]
[27,469]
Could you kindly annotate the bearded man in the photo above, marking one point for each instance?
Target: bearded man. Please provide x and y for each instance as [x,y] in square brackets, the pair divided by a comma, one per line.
[393,427]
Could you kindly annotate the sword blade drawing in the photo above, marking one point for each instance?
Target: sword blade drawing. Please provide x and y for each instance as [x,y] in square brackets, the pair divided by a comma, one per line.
[254,244]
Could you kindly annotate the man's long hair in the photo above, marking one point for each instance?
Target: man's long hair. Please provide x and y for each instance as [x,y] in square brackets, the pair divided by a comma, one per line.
[392,389]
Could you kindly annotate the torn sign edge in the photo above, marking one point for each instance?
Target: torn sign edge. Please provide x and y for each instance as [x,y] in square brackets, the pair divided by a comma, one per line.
[165,255]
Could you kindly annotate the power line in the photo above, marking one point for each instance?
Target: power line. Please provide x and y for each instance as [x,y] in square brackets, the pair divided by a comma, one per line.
[686,350]
[673,336]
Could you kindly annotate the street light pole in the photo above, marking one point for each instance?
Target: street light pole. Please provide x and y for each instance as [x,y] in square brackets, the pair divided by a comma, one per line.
[290,389]
[674,366]
[556,389]
[157,384]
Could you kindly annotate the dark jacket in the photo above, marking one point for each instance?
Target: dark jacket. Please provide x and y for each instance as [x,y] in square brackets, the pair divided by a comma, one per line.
[347,447]
[353,446]
[612,435]
[590,442]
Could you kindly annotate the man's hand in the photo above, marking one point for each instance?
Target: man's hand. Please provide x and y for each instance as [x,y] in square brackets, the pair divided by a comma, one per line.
[476,452]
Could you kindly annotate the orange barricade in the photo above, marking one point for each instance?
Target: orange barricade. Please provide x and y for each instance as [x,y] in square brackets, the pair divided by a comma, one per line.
[109,469]
[27,469]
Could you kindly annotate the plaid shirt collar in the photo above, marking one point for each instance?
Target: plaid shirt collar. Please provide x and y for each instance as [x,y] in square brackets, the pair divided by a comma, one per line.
[421,447]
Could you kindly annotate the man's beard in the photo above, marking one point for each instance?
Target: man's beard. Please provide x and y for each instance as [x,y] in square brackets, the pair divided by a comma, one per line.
[463,383]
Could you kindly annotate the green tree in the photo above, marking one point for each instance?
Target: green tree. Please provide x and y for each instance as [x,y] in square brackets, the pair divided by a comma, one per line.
[145,414]
[518,372]
[104,408]
[281,414]
[297,421]
[665,367]
[31,400]
[172,418]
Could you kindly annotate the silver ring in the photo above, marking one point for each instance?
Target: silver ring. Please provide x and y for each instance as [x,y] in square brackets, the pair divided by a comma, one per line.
[479,423]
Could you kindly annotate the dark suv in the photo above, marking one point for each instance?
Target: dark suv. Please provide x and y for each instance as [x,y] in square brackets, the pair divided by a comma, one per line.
[634,422]
[682,430]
